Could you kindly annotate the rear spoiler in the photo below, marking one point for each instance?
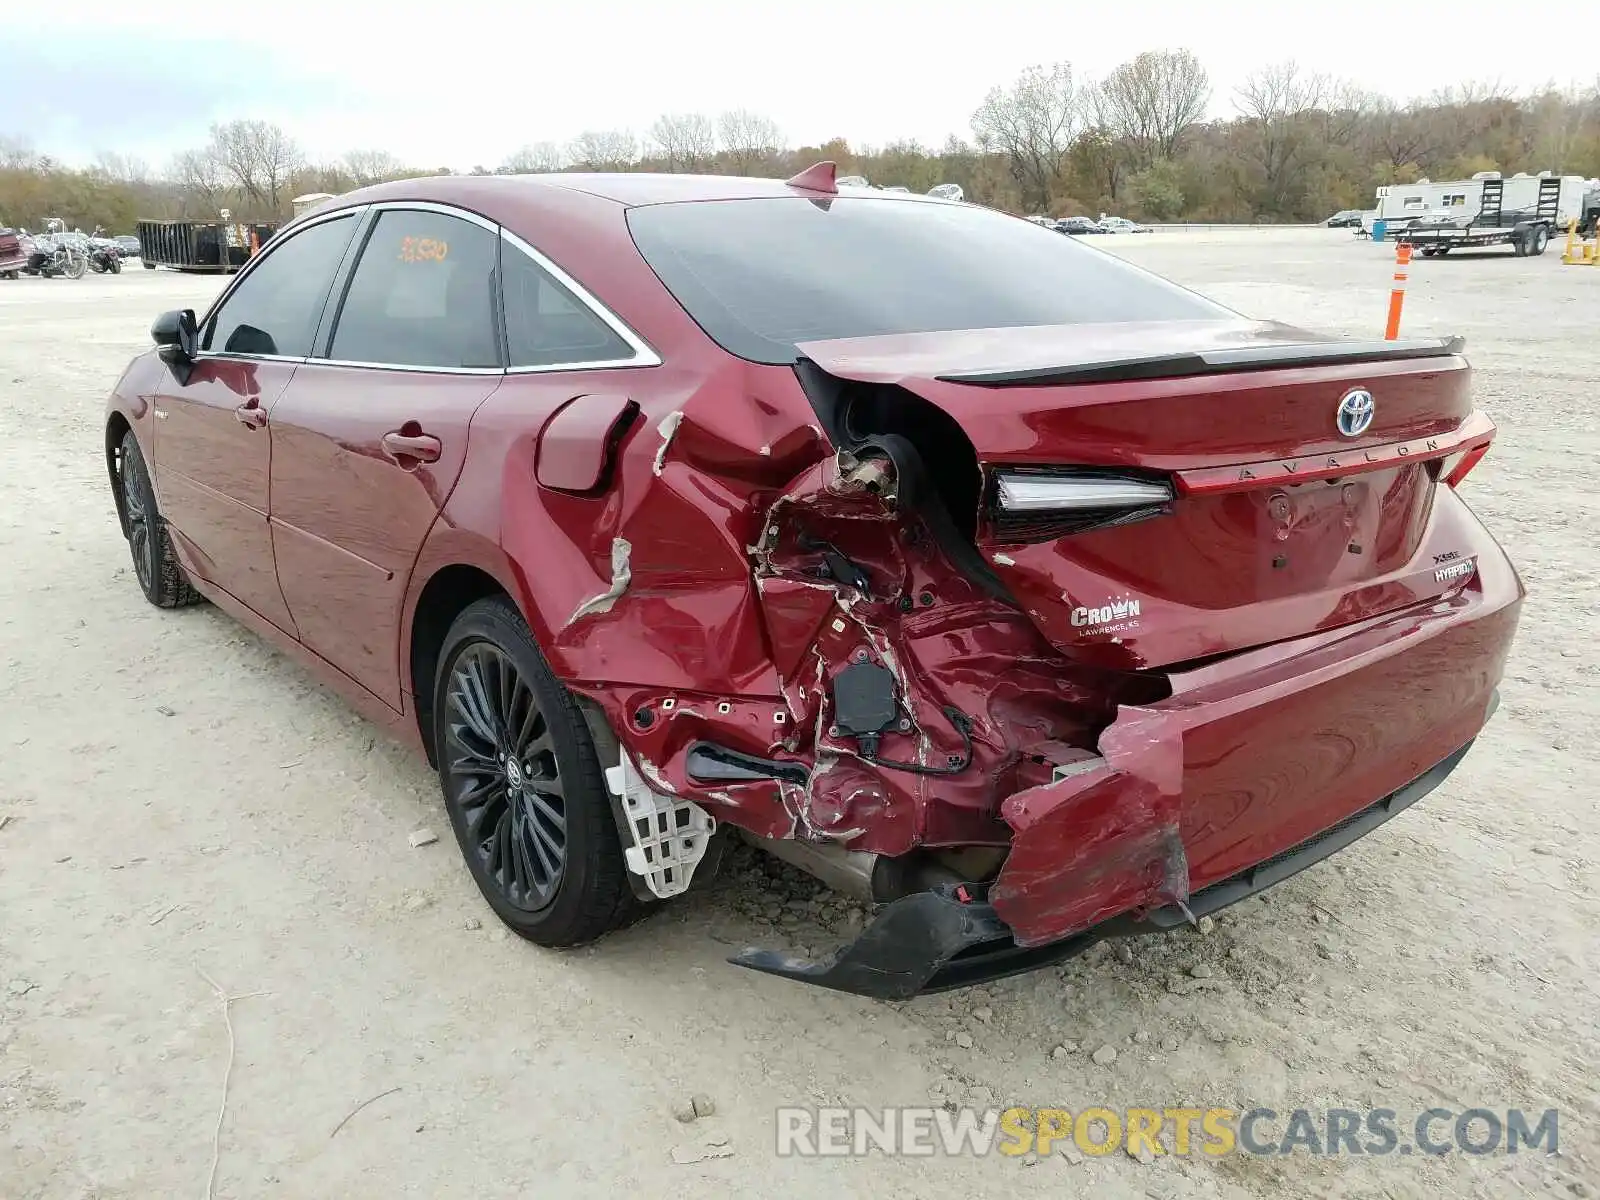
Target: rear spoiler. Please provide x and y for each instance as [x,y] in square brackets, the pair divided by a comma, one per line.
[1209,362]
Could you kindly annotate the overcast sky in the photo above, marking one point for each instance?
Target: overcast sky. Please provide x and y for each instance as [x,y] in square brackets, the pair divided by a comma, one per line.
[469,81]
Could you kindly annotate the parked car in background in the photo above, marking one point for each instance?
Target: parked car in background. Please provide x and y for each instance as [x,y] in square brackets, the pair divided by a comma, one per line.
[1121,225]
[1344,218]
[15,248]
[1082,225]
[128,244]
[982,574]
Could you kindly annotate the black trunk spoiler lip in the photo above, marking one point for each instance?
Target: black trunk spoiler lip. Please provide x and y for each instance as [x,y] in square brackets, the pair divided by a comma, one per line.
[1273,357]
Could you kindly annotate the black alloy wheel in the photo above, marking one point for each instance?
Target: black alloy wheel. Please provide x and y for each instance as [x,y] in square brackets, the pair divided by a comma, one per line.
[503,776]
[155,564]
[523,786]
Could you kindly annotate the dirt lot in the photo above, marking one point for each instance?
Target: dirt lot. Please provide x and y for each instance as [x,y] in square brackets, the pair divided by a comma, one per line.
[176,798]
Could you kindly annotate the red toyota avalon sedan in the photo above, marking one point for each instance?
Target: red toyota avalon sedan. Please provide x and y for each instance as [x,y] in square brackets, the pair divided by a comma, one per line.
[981,574]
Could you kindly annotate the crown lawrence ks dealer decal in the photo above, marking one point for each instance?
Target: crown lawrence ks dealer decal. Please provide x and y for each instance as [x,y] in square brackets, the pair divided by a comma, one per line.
[1113,616]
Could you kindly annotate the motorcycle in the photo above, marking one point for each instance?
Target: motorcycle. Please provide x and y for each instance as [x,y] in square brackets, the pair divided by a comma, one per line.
[59,254]
[105,257]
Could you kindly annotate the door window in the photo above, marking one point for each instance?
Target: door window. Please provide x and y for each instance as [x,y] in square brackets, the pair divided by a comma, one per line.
[546,325]
[422,295]
[276,307]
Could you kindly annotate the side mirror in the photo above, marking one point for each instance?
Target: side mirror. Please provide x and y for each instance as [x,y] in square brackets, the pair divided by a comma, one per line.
[178,339]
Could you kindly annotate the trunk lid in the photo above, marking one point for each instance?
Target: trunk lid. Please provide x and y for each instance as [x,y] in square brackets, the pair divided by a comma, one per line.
[1267,520]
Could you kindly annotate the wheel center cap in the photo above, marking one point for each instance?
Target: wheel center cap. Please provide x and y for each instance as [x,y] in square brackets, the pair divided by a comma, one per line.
[514,774]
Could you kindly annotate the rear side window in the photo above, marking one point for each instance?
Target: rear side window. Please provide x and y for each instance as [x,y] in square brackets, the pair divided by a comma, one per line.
[761,275]
[546,325]
[422,295]
[275,308]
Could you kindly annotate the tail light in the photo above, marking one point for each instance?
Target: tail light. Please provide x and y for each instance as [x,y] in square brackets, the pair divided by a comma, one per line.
[1453,468]
[1034,503]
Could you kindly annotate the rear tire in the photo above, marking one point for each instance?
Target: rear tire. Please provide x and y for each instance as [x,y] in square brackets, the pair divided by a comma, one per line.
[161,578]
[1540,239]
[523,786]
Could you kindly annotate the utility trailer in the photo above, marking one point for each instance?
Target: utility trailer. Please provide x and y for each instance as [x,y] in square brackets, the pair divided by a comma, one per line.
[200,246]
[1526,230]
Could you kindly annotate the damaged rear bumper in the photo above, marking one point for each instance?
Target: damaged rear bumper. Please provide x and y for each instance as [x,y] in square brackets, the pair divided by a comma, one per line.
[952,937]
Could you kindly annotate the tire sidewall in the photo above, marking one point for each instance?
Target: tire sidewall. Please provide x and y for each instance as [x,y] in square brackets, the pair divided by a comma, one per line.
[152,517]
[588,816]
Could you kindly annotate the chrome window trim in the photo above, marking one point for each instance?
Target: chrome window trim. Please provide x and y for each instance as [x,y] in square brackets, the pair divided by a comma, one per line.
[644,355]
[414,368]
[249,268]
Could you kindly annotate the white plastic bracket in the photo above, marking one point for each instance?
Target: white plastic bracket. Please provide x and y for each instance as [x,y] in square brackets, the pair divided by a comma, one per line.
[670,834]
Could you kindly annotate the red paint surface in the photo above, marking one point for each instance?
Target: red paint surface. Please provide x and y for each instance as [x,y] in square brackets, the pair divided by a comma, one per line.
[1322,682]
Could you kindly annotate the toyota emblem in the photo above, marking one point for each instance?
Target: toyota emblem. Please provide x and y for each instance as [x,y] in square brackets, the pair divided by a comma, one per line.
[1355,412]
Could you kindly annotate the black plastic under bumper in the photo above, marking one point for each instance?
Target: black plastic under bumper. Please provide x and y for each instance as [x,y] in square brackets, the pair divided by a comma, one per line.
[950,937]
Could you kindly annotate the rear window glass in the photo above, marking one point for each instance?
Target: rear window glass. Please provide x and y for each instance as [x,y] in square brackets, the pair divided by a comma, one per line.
[761,275]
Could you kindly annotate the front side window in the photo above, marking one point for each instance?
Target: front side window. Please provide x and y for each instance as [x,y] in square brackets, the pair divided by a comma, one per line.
[276,307]
[422,295]
[761,275]
[546,325]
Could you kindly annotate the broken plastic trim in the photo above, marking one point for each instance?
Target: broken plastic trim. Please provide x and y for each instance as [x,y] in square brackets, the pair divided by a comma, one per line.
[950,936]
[711,763]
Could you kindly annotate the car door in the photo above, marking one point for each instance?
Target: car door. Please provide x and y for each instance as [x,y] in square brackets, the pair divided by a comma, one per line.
[369,437]
[211,447]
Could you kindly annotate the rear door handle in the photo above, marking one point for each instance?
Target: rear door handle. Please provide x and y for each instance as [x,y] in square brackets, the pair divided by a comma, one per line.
[410,449]
[251,415]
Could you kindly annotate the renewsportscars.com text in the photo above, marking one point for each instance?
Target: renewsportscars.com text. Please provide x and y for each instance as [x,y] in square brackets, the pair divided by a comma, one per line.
[1201,1132]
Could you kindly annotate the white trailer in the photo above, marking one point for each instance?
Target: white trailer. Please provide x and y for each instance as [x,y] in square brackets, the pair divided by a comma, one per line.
[1524,212]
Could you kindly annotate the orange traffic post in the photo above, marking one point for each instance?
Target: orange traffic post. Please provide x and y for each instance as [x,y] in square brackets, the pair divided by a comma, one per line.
[1397,295]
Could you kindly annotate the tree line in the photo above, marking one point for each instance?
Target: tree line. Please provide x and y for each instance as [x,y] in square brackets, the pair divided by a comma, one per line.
[1296,146]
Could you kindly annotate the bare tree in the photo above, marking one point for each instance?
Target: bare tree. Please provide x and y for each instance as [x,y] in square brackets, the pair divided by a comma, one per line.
[121,168]
[372,166]
[1278,104]
[1399,135]
[540,158]
[17,153]
[198,175]
[748,139]
[1557,119]
[605,150]
[1151,101]
[1033,123]
[687,141]
[258,158]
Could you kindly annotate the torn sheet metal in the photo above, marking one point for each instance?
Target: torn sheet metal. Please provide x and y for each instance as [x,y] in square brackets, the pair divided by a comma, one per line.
[621,574]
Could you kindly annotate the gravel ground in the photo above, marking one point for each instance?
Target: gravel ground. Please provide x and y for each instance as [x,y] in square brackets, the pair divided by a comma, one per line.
[176,798]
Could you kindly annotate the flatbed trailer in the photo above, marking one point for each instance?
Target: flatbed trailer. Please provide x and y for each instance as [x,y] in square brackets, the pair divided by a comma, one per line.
[1526,233]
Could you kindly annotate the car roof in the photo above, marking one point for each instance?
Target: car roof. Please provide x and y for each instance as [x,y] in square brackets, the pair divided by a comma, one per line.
[618,187]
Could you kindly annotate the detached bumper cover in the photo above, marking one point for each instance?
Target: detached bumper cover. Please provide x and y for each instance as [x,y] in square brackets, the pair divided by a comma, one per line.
[951,937]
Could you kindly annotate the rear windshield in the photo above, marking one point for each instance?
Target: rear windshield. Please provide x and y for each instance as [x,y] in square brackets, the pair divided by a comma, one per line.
[760,275]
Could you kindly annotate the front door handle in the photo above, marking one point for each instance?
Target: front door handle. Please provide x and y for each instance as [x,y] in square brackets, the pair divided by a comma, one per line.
[250,414]
[412,449]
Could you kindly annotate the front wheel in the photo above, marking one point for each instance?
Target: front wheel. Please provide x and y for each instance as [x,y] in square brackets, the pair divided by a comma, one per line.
[1540,239]
[161,578]
[523,786]
[77,266]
